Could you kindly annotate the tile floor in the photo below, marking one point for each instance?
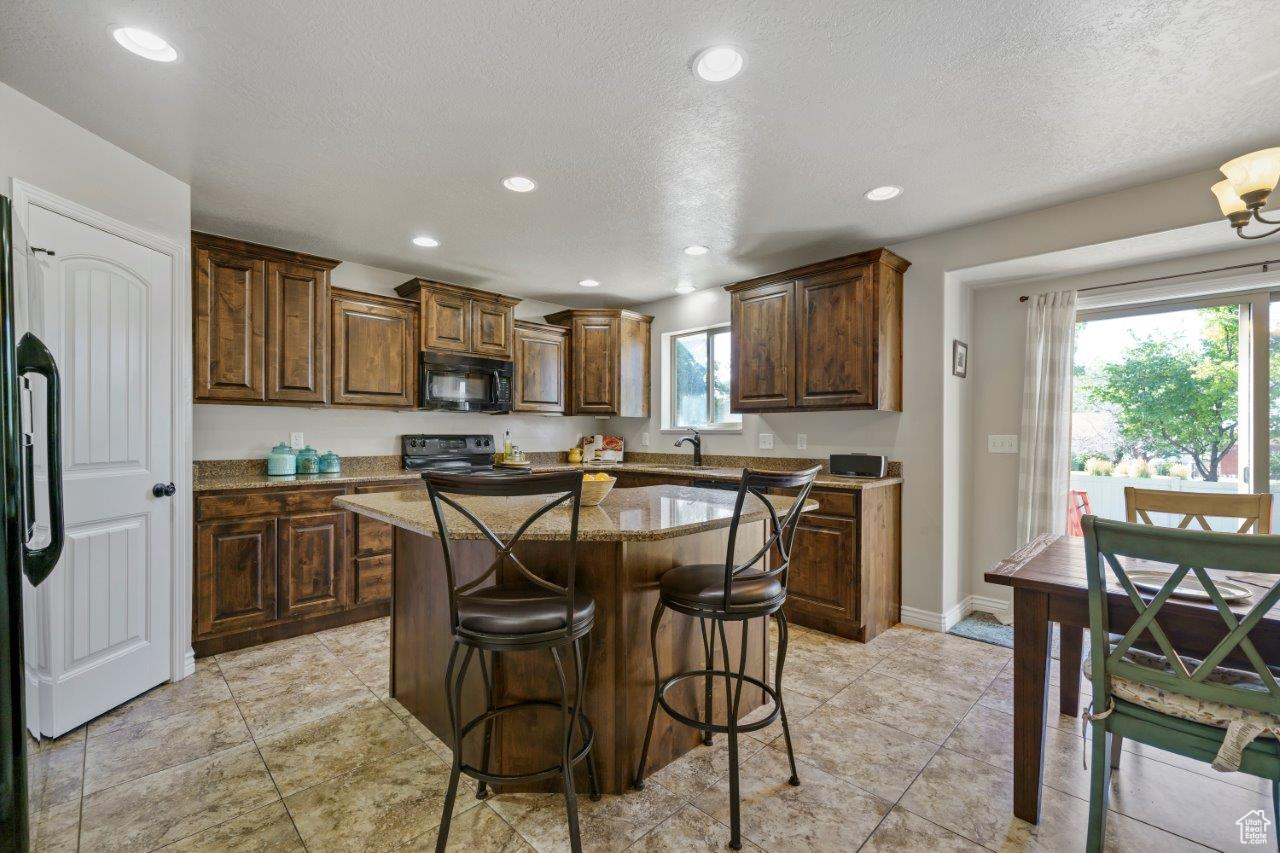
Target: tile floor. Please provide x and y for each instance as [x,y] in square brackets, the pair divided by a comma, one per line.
[904,744]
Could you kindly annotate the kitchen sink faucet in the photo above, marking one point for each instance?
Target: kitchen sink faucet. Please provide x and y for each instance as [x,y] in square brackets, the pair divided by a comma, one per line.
[696,441]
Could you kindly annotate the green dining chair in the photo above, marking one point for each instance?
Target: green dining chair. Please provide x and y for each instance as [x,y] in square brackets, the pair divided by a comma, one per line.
[1193,707]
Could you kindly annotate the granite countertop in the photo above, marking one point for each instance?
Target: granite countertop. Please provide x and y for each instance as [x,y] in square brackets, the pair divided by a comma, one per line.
[251,473]
[625,515]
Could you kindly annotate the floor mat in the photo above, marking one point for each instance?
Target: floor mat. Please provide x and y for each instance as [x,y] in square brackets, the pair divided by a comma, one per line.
[985,628]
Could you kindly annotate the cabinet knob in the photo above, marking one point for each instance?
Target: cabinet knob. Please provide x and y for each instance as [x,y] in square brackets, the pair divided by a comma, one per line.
[163,490]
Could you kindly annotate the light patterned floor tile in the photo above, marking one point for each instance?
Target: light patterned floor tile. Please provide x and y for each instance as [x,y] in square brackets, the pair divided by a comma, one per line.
[378,806]
[170,805]
[822,813]
[798,706]
[612,823]
[687,829]
[56,828]
[205,686]
[696,770]
[477,830]
[903,832]
[292,703]
[975,800]
[957,678]
[55,770]
[859,750]
[128,752]
[913,708]
[313,752]
[264,830]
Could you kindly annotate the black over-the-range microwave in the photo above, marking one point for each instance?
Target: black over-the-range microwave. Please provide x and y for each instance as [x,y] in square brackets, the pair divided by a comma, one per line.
[456,383]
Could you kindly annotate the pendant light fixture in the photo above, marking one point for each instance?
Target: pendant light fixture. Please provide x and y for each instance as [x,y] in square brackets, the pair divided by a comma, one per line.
[1250,181]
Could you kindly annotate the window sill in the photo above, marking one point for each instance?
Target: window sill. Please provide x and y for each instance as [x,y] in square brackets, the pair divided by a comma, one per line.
[704,430]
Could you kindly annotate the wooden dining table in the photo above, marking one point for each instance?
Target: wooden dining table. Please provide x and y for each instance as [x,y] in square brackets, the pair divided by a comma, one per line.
[1049,585]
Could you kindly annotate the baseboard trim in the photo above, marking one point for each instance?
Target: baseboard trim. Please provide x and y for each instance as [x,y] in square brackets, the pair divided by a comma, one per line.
[932,620]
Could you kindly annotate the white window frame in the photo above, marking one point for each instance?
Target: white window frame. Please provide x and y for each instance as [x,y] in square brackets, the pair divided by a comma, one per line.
[669,383]
[1256,304]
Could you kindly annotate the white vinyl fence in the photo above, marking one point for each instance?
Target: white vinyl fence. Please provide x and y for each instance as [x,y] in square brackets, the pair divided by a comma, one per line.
[1106,496]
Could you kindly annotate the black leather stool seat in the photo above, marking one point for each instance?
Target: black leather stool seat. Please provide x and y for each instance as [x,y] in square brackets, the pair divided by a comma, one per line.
[702,584]
[520,609]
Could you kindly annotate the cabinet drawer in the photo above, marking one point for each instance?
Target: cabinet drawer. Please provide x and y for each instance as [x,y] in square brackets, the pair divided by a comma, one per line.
[265,502]
[834,503]
[829,503]
[372,536]
[373,579]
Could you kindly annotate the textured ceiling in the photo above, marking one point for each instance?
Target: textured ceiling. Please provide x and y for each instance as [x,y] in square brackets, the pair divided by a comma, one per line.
[344,128]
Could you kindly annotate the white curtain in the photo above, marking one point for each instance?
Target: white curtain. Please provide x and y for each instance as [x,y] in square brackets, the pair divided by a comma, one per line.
[1044,455]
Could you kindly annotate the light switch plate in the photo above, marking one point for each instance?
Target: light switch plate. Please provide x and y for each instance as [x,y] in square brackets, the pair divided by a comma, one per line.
[1002,444]
[802,441]
[766,441]
[295,441]
[644,439]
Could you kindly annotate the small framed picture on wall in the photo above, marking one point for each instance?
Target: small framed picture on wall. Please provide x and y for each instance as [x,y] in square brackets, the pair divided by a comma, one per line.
[959,359]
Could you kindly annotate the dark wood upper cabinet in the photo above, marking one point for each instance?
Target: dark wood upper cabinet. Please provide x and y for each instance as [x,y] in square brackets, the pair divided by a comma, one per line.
[491,329]
[824,336]
[229,308]
[261,323]
[542,368]
[375,349]
[461,320]
[763,375]
[297,333]
[610,361]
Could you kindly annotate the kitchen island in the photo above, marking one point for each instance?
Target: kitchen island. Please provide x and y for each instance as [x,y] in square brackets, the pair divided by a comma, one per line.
[624,545]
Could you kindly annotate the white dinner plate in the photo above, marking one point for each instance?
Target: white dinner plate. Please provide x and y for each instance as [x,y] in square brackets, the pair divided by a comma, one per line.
[1190,587]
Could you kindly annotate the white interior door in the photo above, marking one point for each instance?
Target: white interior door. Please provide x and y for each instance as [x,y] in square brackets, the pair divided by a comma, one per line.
[102,305]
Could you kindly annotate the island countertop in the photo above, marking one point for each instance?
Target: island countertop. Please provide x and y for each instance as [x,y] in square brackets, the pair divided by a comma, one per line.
[626,515]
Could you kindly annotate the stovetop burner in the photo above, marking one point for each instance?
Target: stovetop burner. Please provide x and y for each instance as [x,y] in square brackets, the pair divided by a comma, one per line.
[454,454]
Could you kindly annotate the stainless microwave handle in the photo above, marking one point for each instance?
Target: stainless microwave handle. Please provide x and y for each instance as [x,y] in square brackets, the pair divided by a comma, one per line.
[493,390]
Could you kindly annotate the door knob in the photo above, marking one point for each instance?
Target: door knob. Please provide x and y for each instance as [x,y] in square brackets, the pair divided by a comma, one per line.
[163,490]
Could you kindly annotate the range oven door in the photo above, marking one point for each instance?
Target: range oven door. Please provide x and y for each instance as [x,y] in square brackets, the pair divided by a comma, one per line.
[457,384]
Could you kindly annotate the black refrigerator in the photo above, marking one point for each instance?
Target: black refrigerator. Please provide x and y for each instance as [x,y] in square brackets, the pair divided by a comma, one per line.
[18,360]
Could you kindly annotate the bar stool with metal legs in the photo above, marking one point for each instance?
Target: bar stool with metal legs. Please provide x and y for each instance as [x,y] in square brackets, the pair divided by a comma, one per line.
[532,614]
[717,593]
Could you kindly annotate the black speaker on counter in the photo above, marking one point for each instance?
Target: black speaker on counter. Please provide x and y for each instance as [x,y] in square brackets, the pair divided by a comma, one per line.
[859,465]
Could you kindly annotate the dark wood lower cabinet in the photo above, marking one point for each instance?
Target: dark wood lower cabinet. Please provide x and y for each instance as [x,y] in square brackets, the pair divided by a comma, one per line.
[276,563]
[235,575]
[846,563]
[311,557]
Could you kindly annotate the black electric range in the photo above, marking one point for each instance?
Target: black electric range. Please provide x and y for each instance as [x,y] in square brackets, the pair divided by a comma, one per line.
[454,454]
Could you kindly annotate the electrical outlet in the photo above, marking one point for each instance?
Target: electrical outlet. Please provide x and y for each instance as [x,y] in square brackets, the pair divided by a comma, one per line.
[295,441]
[802,441]
[1002,444]
[766,441]
[644,439]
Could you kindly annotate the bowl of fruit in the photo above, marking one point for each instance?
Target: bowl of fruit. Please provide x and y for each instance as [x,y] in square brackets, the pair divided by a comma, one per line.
[595,487]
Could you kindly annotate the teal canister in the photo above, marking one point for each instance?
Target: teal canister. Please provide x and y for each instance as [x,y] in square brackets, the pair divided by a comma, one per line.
[308,461]
[330,463]
[281,462]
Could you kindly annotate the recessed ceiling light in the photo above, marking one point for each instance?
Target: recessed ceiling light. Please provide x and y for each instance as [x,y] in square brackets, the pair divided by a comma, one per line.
[684,287]
[883,193]
[696,250]
[589,282]
[426,242]
[145,44]
[718,64]
[519,184]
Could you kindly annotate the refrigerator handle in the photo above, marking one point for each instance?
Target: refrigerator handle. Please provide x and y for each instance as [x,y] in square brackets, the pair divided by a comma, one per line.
[34,357]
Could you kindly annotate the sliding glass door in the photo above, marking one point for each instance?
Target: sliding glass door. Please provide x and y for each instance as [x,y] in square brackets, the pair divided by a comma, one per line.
[1178,396]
